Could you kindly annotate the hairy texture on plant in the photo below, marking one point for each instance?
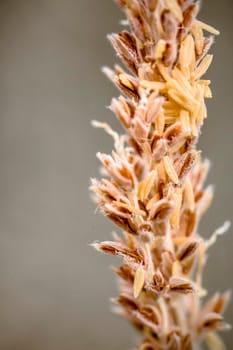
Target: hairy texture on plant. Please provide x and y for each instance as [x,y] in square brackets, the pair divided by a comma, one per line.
[153,188]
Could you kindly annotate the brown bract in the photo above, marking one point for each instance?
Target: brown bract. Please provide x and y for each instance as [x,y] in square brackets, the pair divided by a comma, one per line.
[154,184]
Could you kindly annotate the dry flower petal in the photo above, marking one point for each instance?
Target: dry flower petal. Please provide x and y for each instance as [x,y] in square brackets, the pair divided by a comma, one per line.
[177,198]
[203,66]
[187,249]
[207,27]
[160,49]
[214,342]
[168,165]
[181,285]
[211,321]
[189,195]
[186,55]
[146,185]
[138,282]
[175,9]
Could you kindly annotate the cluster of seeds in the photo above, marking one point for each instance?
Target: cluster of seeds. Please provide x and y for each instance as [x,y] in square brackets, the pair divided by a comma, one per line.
[154,184]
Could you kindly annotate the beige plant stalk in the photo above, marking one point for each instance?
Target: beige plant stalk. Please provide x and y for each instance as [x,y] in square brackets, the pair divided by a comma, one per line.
[153,180]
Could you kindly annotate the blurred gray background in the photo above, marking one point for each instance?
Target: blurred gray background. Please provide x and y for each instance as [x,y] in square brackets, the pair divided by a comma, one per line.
[54,289]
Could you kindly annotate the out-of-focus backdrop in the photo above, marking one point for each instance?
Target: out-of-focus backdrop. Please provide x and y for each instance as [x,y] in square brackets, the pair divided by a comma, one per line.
[54,289]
